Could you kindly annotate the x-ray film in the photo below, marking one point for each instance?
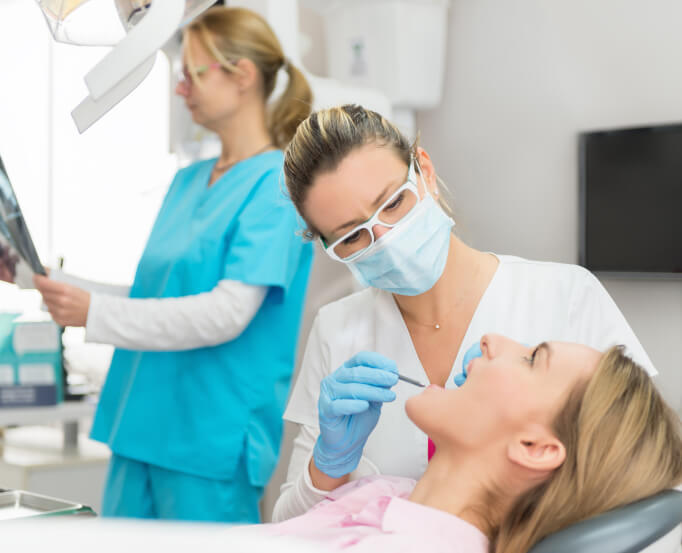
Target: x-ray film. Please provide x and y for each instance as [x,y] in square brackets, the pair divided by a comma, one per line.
[18,257]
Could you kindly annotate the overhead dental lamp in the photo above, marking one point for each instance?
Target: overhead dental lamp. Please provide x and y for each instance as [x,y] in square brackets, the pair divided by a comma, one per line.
[136,29]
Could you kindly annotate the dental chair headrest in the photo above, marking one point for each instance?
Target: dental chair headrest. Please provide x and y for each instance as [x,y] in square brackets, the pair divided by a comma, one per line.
[627,529]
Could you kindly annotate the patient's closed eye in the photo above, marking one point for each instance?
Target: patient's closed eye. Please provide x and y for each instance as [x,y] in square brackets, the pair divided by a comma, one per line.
[542,347]
[531,360]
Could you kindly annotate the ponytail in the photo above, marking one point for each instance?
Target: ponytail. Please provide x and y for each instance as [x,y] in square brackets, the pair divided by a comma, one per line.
[291,108]
[233,33]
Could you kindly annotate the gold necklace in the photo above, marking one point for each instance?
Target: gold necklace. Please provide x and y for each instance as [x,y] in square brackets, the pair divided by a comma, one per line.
[435,325]
[456,304]
[222,169]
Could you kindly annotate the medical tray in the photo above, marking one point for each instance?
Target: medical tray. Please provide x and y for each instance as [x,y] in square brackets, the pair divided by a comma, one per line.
[19,504]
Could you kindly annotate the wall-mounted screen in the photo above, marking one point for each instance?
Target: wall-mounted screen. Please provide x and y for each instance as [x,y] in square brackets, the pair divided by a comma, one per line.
[631,200]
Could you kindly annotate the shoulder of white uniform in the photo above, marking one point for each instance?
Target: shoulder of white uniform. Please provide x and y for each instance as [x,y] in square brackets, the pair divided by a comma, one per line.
[546,268]
[349,309]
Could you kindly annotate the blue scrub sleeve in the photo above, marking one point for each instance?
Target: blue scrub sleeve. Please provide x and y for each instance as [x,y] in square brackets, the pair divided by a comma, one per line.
[266,246]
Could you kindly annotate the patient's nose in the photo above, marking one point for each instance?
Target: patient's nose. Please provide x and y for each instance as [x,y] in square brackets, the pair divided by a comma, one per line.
[494,345]
[487,343]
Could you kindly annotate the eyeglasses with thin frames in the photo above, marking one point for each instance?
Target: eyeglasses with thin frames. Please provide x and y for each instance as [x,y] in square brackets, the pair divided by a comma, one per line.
[186,78]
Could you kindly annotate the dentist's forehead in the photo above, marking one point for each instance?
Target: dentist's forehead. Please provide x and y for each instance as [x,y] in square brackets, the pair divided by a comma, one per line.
[349,191]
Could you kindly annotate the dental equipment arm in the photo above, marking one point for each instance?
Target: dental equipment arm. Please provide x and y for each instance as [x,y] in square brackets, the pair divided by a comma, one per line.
[145,27]
[90,110]
[127,65]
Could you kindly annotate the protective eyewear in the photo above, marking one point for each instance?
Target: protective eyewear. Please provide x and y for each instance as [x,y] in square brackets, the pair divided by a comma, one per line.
[186,78]
[392,212]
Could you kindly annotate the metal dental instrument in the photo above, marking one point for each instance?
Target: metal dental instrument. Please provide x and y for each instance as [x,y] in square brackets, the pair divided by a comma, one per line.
[410,381]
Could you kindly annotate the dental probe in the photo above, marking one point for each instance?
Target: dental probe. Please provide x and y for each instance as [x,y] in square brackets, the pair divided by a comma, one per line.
[410,381]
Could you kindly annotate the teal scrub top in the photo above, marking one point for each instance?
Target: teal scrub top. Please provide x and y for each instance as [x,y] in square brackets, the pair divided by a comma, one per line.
[197,411]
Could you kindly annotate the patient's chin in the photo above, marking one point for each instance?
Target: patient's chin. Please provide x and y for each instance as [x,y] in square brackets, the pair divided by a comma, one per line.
[410,407]
[417,409]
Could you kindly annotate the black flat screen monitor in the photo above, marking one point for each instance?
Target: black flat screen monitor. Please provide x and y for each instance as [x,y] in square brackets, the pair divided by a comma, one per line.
[631,201]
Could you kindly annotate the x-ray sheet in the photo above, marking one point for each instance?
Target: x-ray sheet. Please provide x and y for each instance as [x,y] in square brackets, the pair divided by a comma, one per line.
[18,257]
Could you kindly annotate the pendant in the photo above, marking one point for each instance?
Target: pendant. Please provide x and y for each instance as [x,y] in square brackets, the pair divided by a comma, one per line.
[437,326]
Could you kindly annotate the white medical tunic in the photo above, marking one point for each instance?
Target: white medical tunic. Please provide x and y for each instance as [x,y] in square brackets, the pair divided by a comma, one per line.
[528,301]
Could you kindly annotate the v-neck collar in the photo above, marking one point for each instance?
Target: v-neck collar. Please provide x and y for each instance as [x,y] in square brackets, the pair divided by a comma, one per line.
[392,332]
[232,171]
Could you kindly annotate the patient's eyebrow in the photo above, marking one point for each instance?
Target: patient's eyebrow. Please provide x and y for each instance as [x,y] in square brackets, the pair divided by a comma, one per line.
[547,349]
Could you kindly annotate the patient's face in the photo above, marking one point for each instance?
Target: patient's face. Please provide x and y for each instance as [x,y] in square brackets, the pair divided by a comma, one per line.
[508,390]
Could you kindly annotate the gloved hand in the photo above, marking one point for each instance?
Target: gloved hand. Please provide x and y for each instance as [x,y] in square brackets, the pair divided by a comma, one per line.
[349,407]
[473,352]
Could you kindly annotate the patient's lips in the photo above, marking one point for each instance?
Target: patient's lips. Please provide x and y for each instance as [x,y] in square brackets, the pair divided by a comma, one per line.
[435,387]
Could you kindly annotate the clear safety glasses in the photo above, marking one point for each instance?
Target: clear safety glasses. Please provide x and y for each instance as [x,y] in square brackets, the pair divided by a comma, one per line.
[358,241]
[185,77]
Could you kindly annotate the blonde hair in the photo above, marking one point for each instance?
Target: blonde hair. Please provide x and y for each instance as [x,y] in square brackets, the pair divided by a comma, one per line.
[230,34]
[623,443]
[326,137]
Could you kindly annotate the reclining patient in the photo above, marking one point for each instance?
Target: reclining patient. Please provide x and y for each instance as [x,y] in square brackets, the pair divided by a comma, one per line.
[535,440]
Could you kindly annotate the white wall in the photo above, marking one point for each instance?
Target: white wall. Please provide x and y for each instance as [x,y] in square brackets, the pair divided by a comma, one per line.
[93,197]
[89,198]
[523,77]
[108,183]
[24,111]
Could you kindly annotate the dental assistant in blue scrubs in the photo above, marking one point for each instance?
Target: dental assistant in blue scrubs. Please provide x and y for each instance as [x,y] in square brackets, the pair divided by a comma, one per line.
[206,335]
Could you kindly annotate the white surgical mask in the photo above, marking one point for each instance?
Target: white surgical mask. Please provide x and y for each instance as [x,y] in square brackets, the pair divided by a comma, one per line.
[410,258]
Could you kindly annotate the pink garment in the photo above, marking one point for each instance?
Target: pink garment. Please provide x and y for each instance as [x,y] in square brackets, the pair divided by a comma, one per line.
[373,515]
[431,450]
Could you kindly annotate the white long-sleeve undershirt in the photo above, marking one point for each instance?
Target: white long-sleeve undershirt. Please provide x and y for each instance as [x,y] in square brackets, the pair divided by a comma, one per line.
[167,324]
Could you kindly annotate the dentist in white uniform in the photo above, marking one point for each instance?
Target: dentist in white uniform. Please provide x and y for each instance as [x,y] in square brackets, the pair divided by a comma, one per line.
[372,200]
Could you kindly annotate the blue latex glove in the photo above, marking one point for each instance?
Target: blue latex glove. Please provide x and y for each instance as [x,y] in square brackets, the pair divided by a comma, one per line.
[349,407]
[473,352]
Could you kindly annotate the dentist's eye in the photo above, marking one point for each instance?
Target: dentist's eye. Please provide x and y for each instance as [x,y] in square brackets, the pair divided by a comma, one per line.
[396,202]
[352,238]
